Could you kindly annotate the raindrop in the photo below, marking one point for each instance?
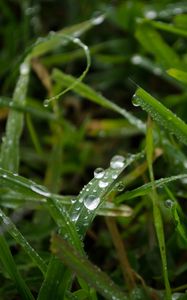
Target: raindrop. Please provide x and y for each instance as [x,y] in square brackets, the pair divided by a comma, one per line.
[120,186]
[185,164]
[114,176]
[46,102]
[169,203]
[136,59]
[99,173]
[73,201]
[24,69]
[135,100]
[98,20]
[74,217]
[40,190]
[91,202]
[81,200]
[151,14]
[103,184]
[117,162]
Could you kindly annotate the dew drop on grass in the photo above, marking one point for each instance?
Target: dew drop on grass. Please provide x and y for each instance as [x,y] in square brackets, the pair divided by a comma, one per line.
[151,14]
[73,200]
[40,190]
[91,202]
[136,59]
[169,203]
[103,184]
[99,173]
[120,186]
[114,176]
[24,69]
[74,216]
[135,100]
[117,162]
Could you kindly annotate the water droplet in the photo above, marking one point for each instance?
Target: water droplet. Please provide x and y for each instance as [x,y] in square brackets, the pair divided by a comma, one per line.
[103,184]
[73,201]
[120,186]
[117,162]
[40,190]
[114,176]
[169,203]
[99,173]
[81,200]
[185,164]
[24,69]
[91,202]
[135,100]
[176,296]
[151,14]
[98,20]
[136,59]
[74,217]
[46,102]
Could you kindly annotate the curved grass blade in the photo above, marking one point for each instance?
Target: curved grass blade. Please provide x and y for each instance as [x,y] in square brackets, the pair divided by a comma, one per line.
[87,92]
[146,188]
[16,234]
[85,269]
[162,115]
[169,28]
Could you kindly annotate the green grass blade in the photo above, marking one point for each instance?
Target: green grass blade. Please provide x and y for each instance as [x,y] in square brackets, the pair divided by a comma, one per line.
[85,269]
[9,265]
[178,74]
[19,238]
[169,28]
[158,223]
[146,188]
[162,115]
[87,92]
[152,41]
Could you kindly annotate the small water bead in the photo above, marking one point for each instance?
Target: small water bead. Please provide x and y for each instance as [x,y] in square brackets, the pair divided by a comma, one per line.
[169,203]
[24,69]
[136,59]
[151,14]
[81,200]
[120,186]
[40,190]
[135,100]
[73,201]
[117,162]
[91,202]
[99,173]
[114,176]
[103,184]
[75,217]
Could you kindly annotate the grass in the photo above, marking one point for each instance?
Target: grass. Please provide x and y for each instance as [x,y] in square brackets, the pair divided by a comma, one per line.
[93,153]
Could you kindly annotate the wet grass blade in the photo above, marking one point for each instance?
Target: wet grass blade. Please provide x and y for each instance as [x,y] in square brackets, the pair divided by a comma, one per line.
[19,238]
[158,223]
[162,115]
[88,93]
[85,269]
[146,188]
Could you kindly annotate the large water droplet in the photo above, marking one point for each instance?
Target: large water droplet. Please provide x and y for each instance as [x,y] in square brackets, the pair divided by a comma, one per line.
[103,184]
[91,202]
[169,203]
[117,162]
[40,190]
[99,173]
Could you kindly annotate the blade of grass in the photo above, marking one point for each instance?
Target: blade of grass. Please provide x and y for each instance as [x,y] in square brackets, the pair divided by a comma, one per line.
[16,234]
[156,209]
[162,115]
[79,264]
[146,188]
[87,92]
[178,74]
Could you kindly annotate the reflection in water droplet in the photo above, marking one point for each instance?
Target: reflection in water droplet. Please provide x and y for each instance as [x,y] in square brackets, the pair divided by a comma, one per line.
[91,202]
[117,162]
[103,184]
[99,173]
[169,203]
